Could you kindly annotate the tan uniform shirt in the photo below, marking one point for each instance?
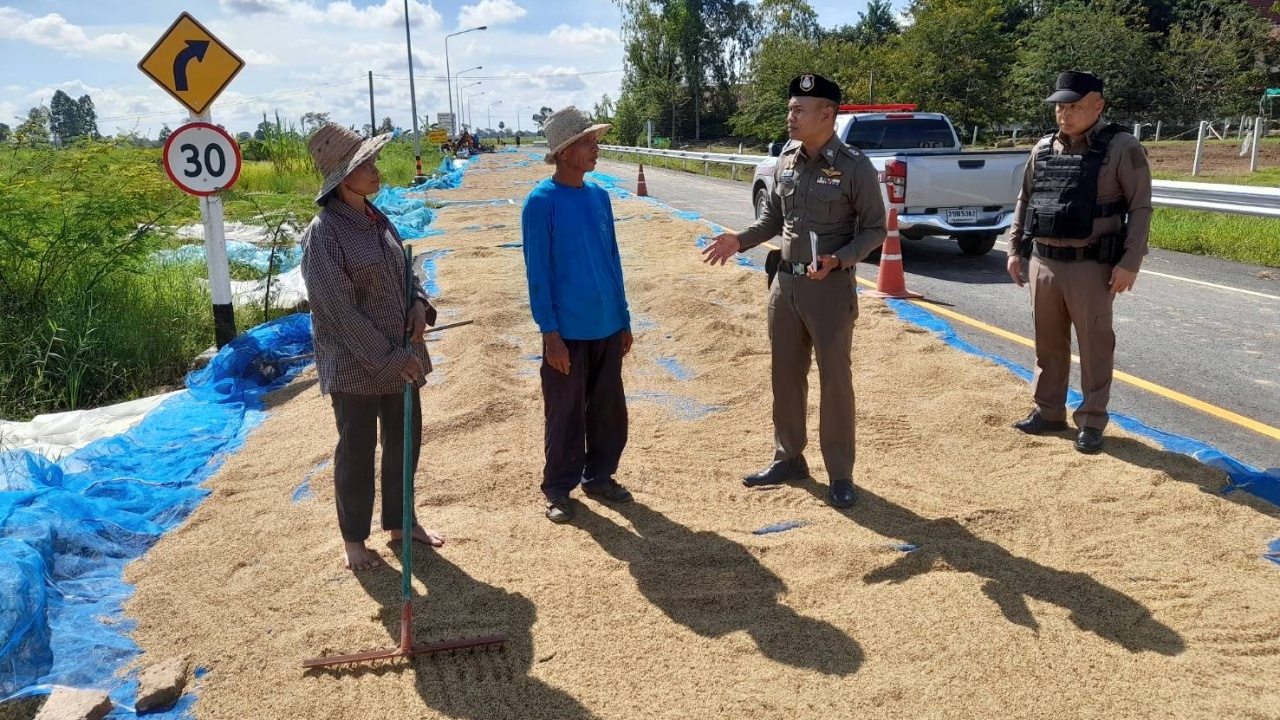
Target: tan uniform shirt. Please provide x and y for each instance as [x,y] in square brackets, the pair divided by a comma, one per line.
[353,266]
[835,194]
[1125,174]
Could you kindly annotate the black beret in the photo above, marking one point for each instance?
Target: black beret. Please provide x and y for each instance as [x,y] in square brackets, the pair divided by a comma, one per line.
[815,86]
[1073,85]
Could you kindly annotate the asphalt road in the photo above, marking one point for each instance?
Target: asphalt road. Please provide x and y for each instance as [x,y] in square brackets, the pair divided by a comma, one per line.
[1205,328]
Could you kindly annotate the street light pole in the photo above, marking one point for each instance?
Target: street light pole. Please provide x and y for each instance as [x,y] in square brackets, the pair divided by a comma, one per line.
[469,98]
[489,111]
[413,99]
[464,87]
[456,77]
[518,111]
[447,77]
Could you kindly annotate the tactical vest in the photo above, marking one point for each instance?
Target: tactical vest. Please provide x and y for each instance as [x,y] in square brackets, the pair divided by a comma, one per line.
[1064,190]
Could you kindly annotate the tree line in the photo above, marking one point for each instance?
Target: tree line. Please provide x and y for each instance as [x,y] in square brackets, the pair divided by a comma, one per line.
[61,123]
[703,69]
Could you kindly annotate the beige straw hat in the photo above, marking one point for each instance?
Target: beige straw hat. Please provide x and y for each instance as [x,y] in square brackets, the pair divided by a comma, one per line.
[338,150]
[566,127]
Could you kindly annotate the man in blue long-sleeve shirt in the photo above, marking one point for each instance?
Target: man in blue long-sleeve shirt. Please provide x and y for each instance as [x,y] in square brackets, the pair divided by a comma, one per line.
[580,305]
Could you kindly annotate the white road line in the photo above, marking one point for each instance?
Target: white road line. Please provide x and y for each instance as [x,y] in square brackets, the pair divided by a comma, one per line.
[1216,286]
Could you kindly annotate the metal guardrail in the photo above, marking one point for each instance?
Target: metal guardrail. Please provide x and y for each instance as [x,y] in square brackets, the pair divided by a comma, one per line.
[1210,197]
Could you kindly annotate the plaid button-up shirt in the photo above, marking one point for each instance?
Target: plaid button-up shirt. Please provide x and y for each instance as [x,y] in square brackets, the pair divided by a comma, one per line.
[353,265]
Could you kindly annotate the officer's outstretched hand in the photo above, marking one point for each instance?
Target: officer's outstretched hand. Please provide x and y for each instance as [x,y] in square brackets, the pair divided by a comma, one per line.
[722,247]
[1122,279]
[1015,269]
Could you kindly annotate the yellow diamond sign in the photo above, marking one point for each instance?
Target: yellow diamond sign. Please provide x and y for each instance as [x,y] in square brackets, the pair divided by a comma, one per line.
[191,64]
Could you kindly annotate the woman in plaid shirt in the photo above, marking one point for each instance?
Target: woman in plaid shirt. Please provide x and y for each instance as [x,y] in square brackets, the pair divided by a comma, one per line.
[353,266]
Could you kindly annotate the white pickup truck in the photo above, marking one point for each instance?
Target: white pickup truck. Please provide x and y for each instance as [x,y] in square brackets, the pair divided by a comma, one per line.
[937,189]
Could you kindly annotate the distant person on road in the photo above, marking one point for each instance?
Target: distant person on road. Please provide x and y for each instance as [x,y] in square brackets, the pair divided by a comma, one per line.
[353,266]
[578,300]
[1082,218]
[820,186]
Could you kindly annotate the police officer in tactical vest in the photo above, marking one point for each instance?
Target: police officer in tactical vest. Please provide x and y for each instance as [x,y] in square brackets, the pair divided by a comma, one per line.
[825,196]
[1082,220]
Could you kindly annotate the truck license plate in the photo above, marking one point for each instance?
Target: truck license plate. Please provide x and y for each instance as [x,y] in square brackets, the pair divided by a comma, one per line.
[962,217]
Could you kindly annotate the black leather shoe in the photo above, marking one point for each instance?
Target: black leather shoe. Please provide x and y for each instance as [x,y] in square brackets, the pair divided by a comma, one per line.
[842,494]
[1035,424]
[560,510]
[607,489]
[1089,441]
[778,472]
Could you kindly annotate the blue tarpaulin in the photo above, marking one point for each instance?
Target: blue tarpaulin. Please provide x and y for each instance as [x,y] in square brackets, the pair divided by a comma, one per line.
[67,529]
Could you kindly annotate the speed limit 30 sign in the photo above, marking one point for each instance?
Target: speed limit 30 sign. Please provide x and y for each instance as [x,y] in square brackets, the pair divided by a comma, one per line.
[202,159]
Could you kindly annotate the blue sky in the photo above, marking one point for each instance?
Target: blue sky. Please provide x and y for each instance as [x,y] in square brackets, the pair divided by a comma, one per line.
[313,55]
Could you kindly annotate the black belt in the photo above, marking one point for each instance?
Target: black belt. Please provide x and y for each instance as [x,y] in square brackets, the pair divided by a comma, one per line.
[795,268]
[1067,254]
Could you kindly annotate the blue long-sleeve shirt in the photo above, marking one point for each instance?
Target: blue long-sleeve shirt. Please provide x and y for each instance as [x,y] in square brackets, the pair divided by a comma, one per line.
[572,262]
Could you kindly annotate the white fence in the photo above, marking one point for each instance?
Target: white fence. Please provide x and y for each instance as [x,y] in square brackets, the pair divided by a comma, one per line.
[1238,199]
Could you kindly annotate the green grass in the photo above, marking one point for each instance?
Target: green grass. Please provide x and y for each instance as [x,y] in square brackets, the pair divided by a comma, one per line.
[1241,238]
[87,318]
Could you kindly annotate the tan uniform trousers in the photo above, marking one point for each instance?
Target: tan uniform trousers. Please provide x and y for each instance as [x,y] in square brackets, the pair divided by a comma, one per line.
[807,316]
[1064,294]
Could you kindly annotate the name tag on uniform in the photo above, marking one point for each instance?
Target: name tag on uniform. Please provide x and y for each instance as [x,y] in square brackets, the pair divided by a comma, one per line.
[788,176]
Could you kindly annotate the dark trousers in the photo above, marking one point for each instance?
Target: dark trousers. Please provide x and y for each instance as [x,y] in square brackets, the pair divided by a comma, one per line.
[586,414]
[359,418]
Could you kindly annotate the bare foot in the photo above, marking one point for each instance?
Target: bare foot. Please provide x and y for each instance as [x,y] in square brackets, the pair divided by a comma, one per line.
[357,557]
[426,537]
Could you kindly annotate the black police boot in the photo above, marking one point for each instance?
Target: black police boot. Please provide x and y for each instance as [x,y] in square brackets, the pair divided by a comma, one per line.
[779,472]
[842,494]
[1089,441]
[1035,424]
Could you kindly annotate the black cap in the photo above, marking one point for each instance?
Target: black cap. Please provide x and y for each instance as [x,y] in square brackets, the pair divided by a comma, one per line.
[815,86]
[1073,85]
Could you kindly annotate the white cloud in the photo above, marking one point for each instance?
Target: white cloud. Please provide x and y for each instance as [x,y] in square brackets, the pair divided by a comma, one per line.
[490,12]
[552,79]
[585,35]
[253,57]
[54,31]
[391,58]
[251,7]
[342,13]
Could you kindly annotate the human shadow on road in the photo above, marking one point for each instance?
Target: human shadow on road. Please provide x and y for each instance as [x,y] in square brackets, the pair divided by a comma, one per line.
[1010,580]
[482,684]
[1186,469]
[714,586]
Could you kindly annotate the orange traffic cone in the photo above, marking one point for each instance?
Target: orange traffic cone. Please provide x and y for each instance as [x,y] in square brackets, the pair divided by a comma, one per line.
[642,189]
[890,282]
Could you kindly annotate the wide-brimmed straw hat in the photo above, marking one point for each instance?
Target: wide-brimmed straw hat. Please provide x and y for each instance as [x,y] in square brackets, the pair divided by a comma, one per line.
[566,127]
[338,150]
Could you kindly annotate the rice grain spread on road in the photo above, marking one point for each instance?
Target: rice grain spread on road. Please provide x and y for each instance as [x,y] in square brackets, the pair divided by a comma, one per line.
[1042,583]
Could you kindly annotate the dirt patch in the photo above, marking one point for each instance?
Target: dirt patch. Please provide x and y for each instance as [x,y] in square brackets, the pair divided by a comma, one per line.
[1216,158]
[982,574]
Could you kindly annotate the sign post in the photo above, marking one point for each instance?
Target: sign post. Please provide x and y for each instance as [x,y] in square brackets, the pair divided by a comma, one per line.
[194,67]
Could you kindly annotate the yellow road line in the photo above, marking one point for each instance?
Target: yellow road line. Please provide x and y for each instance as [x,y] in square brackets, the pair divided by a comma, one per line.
[1174,395]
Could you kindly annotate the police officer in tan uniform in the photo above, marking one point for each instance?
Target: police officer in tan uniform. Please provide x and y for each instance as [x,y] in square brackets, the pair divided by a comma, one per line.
[828,192]
[1082,218]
